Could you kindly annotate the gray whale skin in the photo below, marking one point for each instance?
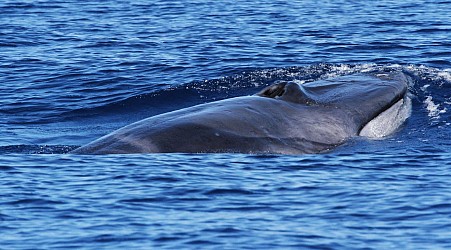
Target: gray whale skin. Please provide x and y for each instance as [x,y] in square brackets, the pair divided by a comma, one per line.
[284,118]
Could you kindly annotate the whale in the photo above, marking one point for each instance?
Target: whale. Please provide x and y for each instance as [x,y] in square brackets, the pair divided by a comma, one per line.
[283,118]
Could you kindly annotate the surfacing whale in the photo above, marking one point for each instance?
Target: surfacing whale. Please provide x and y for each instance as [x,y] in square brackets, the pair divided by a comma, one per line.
[284,118]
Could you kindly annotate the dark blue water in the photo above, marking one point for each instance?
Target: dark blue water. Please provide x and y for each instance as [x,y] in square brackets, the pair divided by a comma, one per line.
[71,71]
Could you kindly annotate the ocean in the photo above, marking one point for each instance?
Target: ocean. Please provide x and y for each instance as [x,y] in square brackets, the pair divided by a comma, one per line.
[72,71]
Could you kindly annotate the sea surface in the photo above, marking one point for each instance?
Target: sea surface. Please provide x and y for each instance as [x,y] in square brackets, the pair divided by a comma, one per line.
[72,71]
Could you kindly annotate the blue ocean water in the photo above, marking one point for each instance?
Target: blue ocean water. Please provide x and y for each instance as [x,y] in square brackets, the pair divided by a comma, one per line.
[71,71]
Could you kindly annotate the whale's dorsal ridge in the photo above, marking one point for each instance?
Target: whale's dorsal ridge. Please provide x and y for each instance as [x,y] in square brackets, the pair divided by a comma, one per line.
[275,90]
[287,91]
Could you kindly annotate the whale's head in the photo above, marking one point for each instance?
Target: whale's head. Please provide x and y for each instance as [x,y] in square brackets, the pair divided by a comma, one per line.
[364,97]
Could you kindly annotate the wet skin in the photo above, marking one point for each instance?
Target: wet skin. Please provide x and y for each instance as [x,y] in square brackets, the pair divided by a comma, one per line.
[284,118]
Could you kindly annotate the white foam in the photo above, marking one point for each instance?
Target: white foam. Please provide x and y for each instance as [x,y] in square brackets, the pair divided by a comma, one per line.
[388,121]
[433,109]
[445,74]
[425,87]
[300,82]
[343,69]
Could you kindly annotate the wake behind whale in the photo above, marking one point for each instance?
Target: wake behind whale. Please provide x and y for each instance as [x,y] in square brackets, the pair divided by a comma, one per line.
[284,118]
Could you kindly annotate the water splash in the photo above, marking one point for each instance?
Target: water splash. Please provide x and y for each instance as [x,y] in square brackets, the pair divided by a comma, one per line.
[434,110]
